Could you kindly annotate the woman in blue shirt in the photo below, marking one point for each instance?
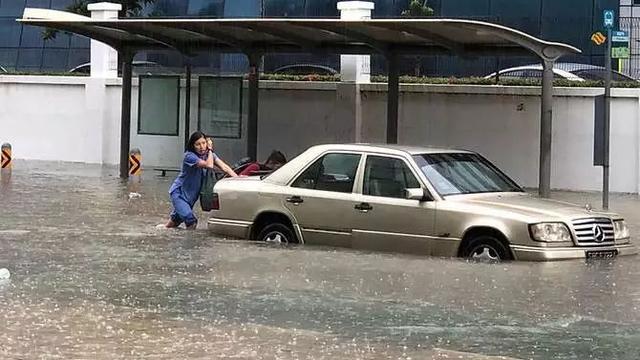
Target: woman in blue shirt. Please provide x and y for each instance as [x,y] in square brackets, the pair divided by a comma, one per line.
[185,189]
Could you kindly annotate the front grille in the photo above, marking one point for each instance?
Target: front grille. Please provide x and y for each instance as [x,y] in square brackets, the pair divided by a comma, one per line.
[594,231]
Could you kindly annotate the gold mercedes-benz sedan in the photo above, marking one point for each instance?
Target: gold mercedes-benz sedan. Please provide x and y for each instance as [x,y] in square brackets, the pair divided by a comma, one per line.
[416,200]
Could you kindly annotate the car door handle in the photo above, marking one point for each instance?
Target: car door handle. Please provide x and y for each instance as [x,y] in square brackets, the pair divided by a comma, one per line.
[363,207]
[295,200]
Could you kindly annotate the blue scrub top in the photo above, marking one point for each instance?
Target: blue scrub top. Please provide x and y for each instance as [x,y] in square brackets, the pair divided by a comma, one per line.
[190,179]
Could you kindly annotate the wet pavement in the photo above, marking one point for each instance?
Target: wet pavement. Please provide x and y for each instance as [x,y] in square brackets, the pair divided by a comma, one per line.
[92,277]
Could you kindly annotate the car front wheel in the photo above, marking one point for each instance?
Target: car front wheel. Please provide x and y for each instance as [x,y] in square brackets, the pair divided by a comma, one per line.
[277,234]
[486,249]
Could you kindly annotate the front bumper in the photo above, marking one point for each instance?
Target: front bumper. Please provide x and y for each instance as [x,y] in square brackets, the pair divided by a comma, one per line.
[532,253]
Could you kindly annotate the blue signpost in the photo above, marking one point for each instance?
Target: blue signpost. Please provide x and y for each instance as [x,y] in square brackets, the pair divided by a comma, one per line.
[608,20]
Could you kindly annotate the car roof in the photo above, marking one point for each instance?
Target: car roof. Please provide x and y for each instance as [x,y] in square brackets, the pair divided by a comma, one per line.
[302,66]
[564,69]
[557,70]
[409,149]
[133,63]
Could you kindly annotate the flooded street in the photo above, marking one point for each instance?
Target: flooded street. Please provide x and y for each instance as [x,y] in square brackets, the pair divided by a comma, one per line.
[92,277]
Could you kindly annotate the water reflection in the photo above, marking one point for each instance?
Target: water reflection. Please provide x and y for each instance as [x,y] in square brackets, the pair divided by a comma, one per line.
[92,275]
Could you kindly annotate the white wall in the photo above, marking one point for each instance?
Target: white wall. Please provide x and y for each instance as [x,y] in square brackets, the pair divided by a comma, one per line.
[47,119]
[78,119]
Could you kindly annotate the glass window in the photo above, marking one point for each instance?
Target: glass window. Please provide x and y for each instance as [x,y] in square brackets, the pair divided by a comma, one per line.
[383,9]
[8,58]
[220,107]
[205,7]
[60,4]
[169,8]
[159,105]
[465,8]
[13,8]
[463,173]
[388,177]
[41,4]
[284,8]
[79,41]
[332,172]
[29,59]
[32,37]
[242,8]
[78,57]
[322,9]
[11,31]
[55,59]
[61,41]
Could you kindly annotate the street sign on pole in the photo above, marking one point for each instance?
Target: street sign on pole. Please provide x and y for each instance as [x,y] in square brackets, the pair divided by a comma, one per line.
[620,36]
[608,18]
[620,45]
[598,38]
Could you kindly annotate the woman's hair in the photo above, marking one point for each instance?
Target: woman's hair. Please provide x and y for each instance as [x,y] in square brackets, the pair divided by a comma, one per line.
[192,140]
[276,157]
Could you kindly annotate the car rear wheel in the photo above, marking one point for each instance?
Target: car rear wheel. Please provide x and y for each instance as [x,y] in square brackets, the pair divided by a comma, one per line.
[486,249]
[277,234]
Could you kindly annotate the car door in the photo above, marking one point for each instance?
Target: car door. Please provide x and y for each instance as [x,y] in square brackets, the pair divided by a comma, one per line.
[321,199]
[385,219]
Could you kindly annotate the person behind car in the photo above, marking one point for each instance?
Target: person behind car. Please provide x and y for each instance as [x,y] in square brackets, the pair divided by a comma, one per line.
[275,160]
[185,189]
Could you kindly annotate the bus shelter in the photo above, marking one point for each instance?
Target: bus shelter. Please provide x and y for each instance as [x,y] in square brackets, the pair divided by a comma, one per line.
[391,38]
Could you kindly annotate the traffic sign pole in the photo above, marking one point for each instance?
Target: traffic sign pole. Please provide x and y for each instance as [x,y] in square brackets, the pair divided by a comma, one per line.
[607,114]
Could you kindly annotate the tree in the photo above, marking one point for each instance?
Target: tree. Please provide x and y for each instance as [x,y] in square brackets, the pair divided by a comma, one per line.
[129,8]
[417,9]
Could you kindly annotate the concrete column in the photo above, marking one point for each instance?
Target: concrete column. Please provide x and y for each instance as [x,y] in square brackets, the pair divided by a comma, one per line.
[393,95]
[355,67]
[104,59]
[546,129]
[252,116]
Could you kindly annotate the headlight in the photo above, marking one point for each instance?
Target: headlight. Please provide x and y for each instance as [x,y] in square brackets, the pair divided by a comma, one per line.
[550,232]
[621,230]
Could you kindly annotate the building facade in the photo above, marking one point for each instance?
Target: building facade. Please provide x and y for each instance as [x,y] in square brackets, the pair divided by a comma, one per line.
[571,21]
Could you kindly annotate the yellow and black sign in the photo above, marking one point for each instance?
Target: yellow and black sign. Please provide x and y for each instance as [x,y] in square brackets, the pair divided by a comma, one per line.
[135,164]
[598,38]
[5,159]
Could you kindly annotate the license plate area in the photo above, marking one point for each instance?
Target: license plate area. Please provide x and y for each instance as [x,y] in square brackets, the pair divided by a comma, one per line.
[601,254]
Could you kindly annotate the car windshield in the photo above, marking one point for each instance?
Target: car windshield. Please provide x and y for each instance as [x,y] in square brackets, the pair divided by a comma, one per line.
[599,75]
[463,173]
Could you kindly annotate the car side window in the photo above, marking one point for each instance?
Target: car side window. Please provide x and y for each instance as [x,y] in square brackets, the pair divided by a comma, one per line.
[532,74]
[513,74]
[332,172]
[387,177]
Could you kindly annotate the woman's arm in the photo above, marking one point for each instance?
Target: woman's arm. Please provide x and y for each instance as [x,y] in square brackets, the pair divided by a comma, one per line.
[224,167]
[206,163]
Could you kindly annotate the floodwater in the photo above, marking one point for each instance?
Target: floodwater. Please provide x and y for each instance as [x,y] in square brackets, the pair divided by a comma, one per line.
[92,277]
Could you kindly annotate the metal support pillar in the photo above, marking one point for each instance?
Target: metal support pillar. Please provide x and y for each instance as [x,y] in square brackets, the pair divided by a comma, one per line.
[187,104]
[393,93]
[546,117]
[254,86]
[125,117]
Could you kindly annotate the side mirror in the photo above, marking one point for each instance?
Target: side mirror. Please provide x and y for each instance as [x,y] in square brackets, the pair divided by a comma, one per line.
[419,194]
